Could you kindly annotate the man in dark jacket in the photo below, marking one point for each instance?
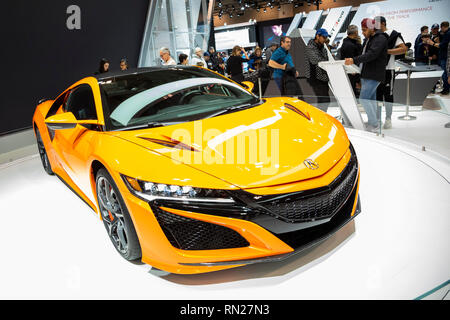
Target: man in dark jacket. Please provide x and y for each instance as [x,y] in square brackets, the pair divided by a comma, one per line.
[213,63]
[351,47]
[424,53]
[418,41]
[385,91]
[373,69]
[317,77]
[447,125]
[442,45]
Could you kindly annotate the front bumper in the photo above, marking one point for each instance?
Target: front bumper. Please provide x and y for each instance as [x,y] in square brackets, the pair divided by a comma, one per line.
[250,238]
[316,236]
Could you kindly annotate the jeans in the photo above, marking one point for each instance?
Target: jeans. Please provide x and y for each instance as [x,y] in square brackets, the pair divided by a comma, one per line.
[368,100]
[279,82]
[320,89]
[385,92]
[443,65]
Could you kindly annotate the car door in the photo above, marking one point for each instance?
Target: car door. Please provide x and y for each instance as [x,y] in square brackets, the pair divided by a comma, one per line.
[75,145]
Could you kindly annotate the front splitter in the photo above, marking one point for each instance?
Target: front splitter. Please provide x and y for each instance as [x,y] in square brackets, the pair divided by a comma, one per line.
[284,256]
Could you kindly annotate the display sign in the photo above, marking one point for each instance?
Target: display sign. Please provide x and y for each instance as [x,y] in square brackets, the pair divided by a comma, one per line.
[273,33]
[334,21]
[295,22]
[228,39]
[312,19]
[343,92]
[405,16]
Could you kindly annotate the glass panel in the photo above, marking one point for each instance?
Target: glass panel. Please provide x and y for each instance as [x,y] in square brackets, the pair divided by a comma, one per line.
[180,25]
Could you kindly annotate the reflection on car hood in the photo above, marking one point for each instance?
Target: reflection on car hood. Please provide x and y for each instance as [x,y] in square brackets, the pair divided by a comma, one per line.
[262,146]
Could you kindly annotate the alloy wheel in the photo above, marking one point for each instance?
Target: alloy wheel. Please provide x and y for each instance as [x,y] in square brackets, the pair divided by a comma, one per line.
[112,214]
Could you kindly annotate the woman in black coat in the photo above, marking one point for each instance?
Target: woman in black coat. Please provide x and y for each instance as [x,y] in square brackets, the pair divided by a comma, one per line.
[234,64]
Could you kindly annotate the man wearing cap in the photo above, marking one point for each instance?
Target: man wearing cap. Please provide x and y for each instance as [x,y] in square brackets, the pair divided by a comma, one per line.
[372,62]
[435,37]
[208,60]
[385,91]
[197,58]
[317,77]
[281,61]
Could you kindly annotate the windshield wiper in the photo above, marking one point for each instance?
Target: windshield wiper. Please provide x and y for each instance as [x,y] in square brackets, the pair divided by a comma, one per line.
[233,108]
[152,124]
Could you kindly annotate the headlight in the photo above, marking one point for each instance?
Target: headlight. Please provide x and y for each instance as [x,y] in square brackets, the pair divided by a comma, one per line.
[150,191]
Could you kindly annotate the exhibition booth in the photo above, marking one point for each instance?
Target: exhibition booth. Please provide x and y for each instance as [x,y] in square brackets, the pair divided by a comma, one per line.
[393,245]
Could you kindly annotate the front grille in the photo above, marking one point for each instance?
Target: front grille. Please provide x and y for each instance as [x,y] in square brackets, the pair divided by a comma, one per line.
[318,204]
[303,238]
[191,234]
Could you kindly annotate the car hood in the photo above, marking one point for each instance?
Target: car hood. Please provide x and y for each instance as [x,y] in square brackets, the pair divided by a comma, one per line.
[283,140]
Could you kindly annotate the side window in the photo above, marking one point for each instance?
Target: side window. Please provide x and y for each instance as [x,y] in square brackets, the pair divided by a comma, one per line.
[56,105]
[81,103]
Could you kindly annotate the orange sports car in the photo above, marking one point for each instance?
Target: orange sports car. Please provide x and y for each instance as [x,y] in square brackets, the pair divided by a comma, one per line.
[190,172]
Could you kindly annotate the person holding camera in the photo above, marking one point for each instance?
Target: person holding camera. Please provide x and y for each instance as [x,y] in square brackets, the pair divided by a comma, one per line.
[234,64]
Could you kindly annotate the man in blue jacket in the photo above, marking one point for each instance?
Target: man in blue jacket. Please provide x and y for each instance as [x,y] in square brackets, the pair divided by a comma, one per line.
[280,61]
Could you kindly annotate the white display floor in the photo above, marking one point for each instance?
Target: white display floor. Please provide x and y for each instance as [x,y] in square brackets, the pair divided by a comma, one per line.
[53,246]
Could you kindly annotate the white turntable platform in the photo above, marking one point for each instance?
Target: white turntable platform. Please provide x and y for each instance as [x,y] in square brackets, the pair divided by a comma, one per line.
[398,247]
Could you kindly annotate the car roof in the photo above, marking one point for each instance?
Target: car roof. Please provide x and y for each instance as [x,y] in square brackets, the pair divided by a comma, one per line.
[117,74]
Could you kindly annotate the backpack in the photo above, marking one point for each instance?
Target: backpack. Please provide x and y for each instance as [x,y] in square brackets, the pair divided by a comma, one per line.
[392,39]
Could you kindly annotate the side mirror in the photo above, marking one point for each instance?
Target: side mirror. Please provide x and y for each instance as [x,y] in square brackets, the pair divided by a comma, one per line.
[66,120]
[248,85]
[43,100]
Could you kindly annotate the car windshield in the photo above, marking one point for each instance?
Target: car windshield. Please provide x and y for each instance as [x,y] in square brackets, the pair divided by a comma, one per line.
[169,96]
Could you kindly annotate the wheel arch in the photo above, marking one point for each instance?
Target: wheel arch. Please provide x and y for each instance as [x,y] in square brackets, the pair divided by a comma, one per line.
[96,165]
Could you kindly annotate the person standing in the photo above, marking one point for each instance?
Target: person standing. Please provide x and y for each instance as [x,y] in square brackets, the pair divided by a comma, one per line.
[271,49]
[316,76]
[281,61]
[208,60]
[183,59]
[447,125]
[435,37]
[351,47]
[167,60]
[385,91]
[220,63]
[213,58]
[373,68]
[103,67]
[197,58]
[423,54]
[123,64]
[442,46]
[418,41]
[255,59]
[234,64]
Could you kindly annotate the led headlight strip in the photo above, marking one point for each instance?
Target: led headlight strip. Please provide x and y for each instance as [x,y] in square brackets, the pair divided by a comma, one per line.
[150,191]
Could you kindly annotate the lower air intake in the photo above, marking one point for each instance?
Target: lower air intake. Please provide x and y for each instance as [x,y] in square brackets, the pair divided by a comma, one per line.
[190,234]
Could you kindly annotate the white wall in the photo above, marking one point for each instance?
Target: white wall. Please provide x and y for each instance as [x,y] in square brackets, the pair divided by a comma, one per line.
[406,16]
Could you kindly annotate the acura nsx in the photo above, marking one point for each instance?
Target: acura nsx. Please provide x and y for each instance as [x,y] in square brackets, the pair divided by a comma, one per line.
[190,172]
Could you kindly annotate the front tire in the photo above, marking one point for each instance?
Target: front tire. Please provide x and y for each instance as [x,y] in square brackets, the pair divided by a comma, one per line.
[116,218]
[43,154]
